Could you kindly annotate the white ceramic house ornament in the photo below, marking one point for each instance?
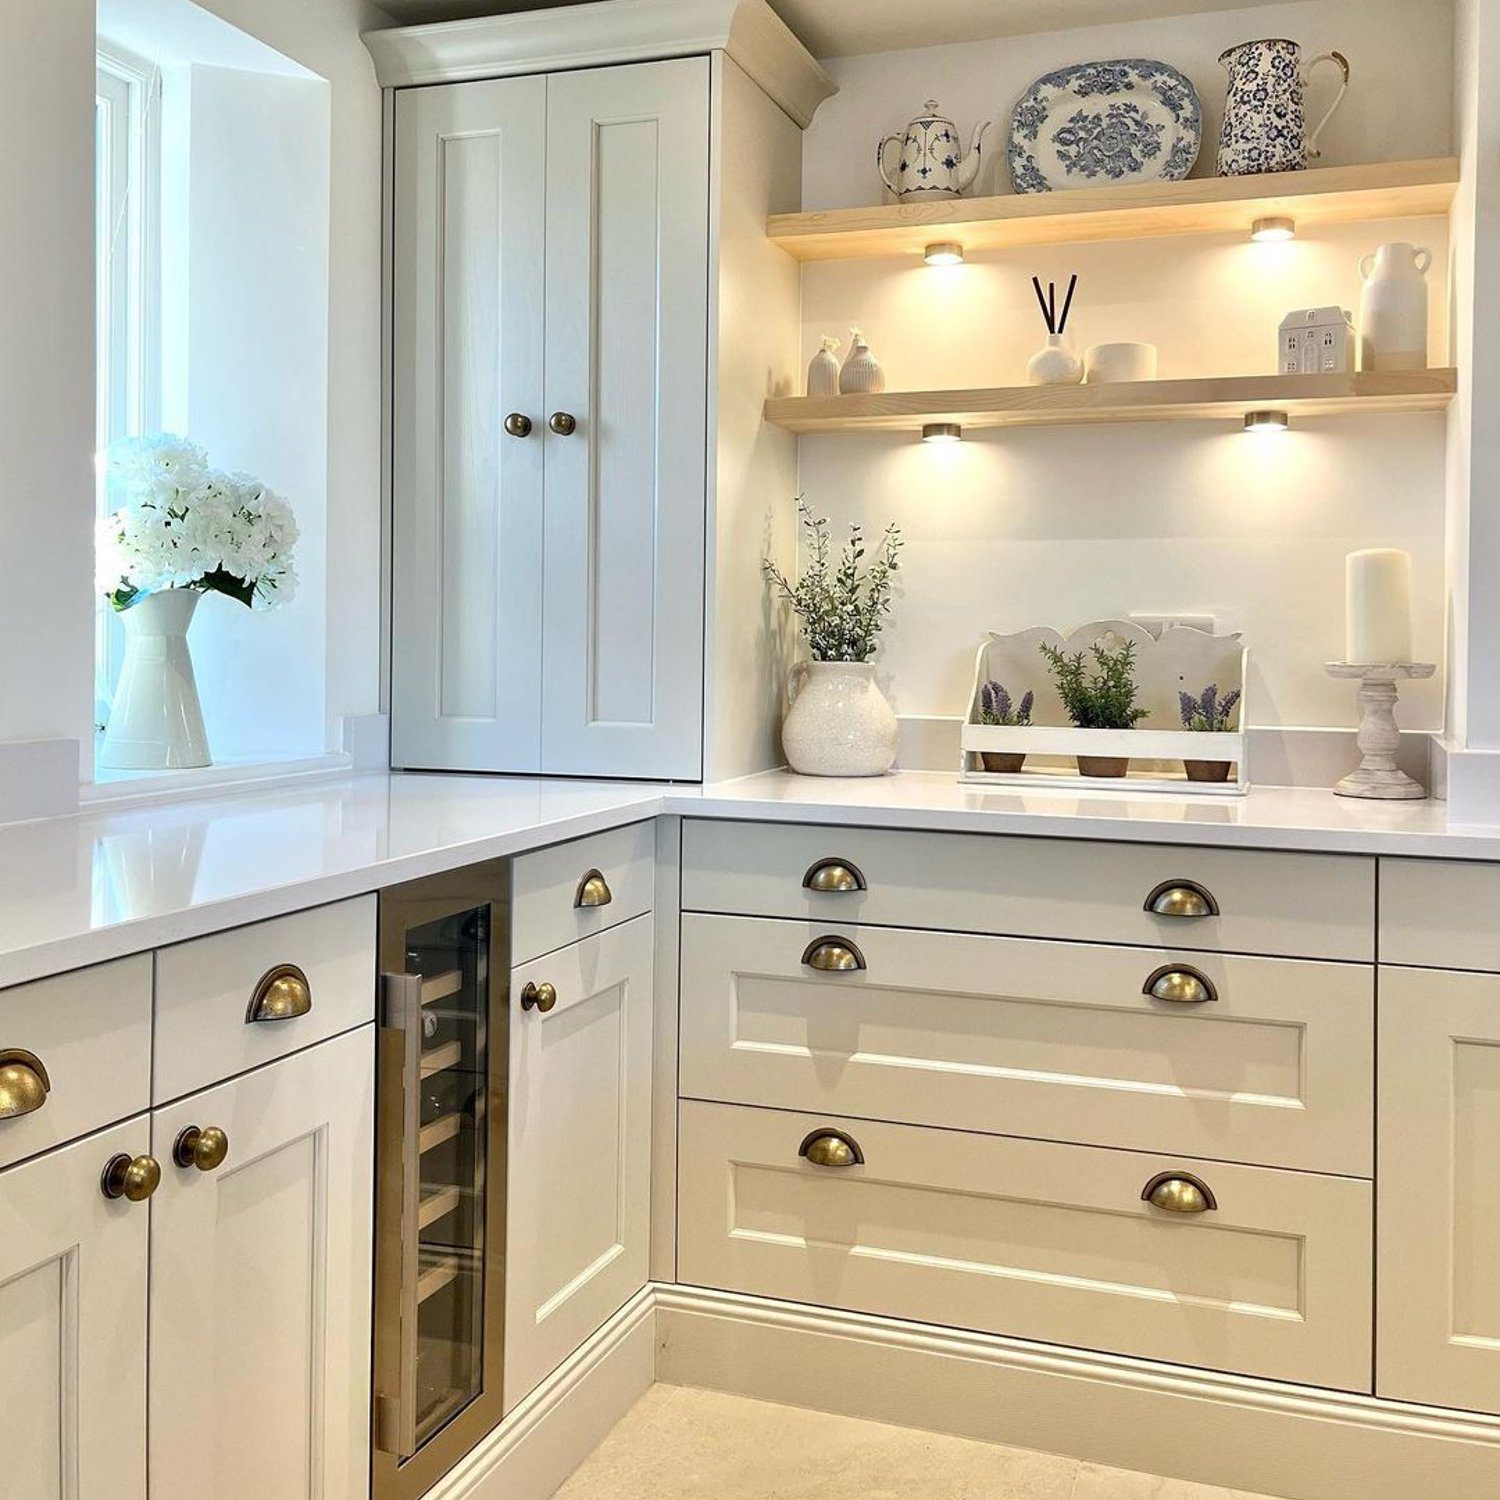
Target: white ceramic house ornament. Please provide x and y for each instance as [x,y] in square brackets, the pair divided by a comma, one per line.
[1316,341]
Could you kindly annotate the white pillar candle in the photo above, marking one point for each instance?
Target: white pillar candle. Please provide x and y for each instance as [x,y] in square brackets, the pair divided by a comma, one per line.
[1378,603]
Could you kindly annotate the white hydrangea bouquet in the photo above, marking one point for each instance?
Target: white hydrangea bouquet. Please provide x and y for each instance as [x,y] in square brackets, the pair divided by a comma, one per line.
[181,530]
[182,525]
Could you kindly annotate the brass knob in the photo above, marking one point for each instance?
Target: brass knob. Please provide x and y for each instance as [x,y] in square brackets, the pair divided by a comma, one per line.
[204,1149]
[832,1148]
[1179,1193]
[540,997]
[1180,984]
[518,424]
[1182,898]
[593,890]
[833,955]
[133,1178]
[563,423]
[834,875]
[24,1084]
[282,994]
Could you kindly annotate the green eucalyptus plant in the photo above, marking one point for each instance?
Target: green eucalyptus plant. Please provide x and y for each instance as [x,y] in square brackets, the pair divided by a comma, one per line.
[1098,697]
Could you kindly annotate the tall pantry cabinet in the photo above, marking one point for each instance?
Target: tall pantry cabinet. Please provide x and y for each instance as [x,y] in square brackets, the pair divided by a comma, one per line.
[586,322]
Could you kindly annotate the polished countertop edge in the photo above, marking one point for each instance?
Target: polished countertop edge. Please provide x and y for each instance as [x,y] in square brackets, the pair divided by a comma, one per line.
[106,883]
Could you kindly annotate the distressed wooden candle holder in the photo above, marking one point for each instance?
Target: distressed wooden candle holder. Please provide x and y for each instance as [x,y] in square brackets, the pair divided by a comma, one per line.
[1379,737]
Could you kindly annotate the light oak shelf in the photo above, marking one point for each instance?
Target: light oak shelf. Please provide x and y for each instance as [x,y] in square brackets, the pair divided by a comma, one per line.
[1216,399]
[1201,205]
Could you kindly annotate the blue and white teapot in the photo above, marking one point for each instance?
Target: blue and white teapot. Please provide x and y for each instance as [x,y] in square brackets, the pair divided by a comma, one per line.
[932,162]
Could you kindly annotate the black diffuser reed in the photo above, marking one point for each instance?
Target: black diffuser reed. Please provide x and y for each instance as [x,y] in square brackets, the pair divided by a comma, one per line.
[1056,322]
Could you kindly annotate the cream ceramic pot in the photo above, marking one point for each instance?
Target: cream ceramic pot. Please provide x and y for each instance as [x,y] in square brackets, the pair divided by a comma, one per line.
[1393,308]
[839,722]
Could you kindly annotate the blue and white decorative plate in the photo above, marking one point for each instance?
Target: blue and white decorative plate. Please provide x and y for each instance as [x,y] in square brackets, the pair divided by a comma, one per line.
[1100,124]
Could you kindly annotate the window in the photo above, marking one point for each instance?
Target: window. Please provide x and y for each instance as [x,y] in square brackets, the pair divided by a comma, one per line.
[127,95]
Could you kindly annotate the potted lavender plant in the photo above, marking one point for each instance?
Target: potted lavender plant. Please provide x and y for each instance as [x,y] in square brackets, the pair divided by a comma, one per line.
[839,722]
[1101,697]
[1208,713]
[995,707]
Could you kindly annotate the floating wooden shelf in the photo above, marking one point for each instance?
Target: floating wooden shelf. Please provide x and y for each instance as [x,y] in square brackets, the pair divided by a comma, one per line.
[1216,399]
[1201,205]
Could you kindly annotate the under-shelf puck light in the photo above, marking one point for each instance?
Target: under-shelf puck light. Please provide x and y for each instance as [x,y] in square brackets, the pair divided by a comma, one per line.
[944,253]
[1273,227]
[942,432]
[1266,421]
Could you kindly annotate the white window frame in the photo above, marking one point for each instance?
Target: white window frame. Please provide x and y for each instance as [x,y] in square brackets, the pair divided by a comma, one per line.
[127,106]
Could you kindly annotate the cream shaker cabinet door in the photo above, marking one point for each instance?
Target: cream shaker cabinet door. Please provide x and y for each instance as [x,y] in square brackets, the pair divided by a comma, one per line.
[627,354]
[260,1282]
[579,1223]
[466,655]
[1438,1326]
[73,1326]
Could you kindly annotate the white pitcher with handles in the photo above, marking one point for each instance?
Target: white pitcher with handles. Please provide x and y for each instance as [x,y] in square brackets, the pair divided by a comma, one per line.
[1393,308]
[932,162]
[1265,112]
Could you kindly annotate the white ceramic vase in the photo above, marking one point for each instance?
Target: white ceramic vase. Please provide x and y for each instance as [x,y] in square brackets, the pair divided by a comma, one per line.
[862,374]
[839,723]
[1055,364]
[156,721]
[1393,308]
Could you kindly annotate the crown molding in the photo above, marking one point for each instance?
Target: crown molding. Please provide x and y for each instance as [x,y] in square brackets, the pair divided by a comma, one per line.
[602,33]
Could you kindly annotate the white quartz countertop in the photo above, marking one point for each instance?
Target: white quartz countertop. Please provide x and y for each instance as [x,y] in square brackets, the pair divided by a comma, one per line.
[103,883]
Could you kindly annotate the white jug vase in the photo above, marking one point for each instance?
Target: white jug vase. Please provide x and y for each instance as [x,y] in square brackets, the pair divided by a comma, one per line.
[839,722]
[156,721]
[1393,308]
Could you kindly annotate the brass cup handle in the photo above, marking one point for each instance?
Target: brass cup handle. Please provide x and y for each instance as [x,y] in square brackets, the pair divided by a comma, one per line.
[1180,984]
[563,423]
[833,955]
[835,876]
[205,1149]
[1182,898]
[831,1148]
[1179,1193]
[518,424]
[24,1084]
[133,1178]
[593,890]
[540,997]
[282,994]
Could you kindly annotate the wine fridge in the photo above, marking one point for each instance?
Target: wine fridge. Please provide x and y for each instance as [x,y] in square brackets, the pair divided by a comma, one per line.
[442,1055]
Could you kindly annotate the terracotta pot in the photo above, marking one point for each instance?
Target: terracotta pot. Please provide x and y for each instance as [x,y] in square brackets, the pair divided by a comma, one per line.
[1103,765]
[1006,761]
[1207,770]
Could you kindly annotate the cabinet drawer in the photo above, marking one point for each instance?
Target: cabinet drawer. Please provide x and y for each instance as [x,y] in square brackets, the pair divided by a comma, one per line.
[1034,1239]
[1439,913]
[85,1038]
[1057,1040]
[1300,905]
[555,902]
[207,991]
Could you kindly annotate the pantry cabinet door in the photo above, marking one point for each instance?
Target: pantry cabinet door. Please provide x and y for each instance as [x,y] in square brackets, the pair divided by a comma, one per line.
[467,530]
[1438,1325]
[73,1326]
[627,359]
[261,1285]
[579,1224]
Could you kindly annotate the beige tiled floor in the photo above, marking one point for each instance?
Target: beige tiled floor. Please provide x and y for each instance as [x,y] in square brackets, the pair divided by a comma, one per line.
[680,1444]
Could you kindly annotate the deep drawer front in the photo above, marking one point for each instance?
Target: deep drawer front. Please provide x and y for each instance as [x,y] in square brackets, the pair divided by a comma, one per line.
[75,1054]
[308,976]
[1298,905]
[574,890]
[1438,913]
[1033,1239]
[1056,1040]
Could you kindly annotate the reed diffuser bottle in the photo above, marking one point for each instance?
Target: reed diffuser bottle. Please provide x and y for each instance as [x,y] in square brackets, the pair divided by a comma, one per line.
[1054,363]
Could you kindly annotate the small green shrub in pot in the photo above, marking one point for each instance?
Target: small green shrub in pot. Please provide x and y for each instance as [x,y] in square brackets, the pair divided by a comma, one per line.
[996,708]
[1098,695]
[1208,713]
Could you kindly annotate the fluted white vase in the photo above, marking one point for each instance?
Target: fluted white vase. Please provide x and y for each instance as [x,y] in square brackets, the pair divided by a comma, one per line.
[839,722]
[156,721]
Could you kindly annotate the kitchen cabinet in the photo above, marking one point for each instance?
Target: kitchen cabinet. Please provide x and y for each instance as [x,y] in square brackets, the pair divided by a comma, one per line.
[579,1221]
[260,1275]
[551,399]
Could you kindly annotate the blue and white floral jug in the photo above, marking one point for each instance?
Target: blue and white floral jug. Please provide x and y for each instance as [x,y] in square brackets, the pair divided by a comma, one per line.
[932,162]
[1265,113]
